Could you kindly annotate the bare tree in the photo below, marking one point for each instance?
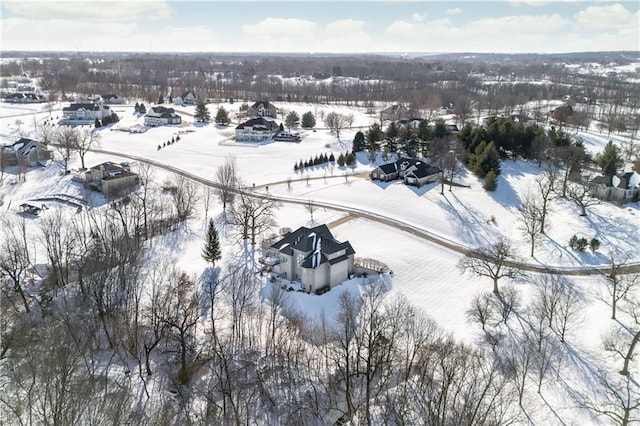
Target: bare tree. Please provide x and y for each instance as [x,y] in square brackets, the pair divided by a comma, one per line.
[492,262]
[185,197]
[618,285]
[180,315]
[311,208]
[623,340]
[207,194]
[66,142]
[579,193]
[539,147]
[86,140]
[481,309]
[253,216]
[337,122]
[531,219]
[571,156]
[227,181]
[15,259]
[519,360]
[617,399]
[441,154]
[546,189]
[145,176]
[507,302]
[556,298]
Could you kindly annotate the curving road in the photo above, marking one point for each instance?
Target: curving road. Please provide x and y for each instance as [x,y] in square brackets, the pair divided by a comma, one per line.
[357,213]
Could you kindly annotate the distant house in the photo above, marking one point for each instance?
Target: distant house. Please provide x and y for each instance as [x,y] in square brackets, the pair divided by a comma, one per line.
[25,152]
[161,116]
[395,113]
[622,187]
[263,109]
[111,178]
[411,123]
[411,170]
[187,98]
[85,112]
[110,99]
[313,257]
[256,130]
[24,98]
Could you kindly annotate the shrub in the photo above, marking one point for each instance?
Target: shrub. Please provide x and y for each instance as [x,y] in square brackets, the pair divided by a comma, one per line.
[594,245]
[582,244]
[573,241]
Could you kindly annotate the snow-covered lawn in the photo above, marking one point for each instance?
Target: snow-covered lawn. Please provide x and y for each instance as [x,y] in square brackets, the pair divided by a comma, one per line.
[423,272]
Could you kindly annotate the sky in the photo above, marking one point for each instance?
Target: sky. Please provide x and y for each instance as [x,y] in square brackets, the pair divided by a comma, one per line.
[506,26]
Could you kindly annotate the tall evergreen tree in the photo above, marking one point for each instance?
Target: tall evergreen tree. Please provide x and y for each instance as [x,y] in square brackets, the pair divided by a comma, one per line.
[308,120]
[490,181]
[160,99]
[610,160]
[202,113]
[358,142]
[292,120]
[211,251]
[222,117]
[485,159]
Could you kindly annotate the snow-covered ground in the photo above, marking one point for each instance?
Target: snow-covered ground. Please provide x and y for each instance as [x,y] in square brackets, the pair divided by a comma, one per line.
[423,272]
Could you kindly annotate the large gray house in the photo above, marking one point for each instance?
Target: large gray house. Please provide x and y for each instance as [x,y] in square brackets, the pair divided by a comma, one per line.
[411,170]
[313,257]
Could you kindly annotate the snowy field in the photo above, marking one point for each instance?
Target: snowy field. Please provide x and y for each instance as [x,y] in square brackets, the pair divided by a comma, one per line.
[423,272]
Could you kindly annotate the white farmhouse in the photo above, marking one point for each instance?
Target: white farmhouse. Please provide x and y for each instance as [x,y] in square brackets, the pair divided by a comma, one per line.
[161,116]
[86,112]
[257,129]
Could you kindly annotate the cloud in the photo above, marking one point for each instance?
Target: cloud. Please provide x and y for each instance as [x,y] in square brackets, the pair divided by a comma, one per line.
[418,17]
[513,26]
[517,33]
[613,16]
[280,28]
[534,3]
[98,10]
[344,35]
[453,11]
[343,27]
[61,34]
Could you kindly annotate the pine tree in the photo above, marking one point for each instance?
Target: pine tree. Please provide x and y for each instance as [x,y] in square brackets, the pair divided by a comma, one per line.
[142,109]
[137,107]
[610,160]
[222,117]
[202,113]
[292,120]
[341,160]
[350,159]
[161,99]
[485,159]
[490,181]
[358,142]
[211,251]
[97,124]
[308,120]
